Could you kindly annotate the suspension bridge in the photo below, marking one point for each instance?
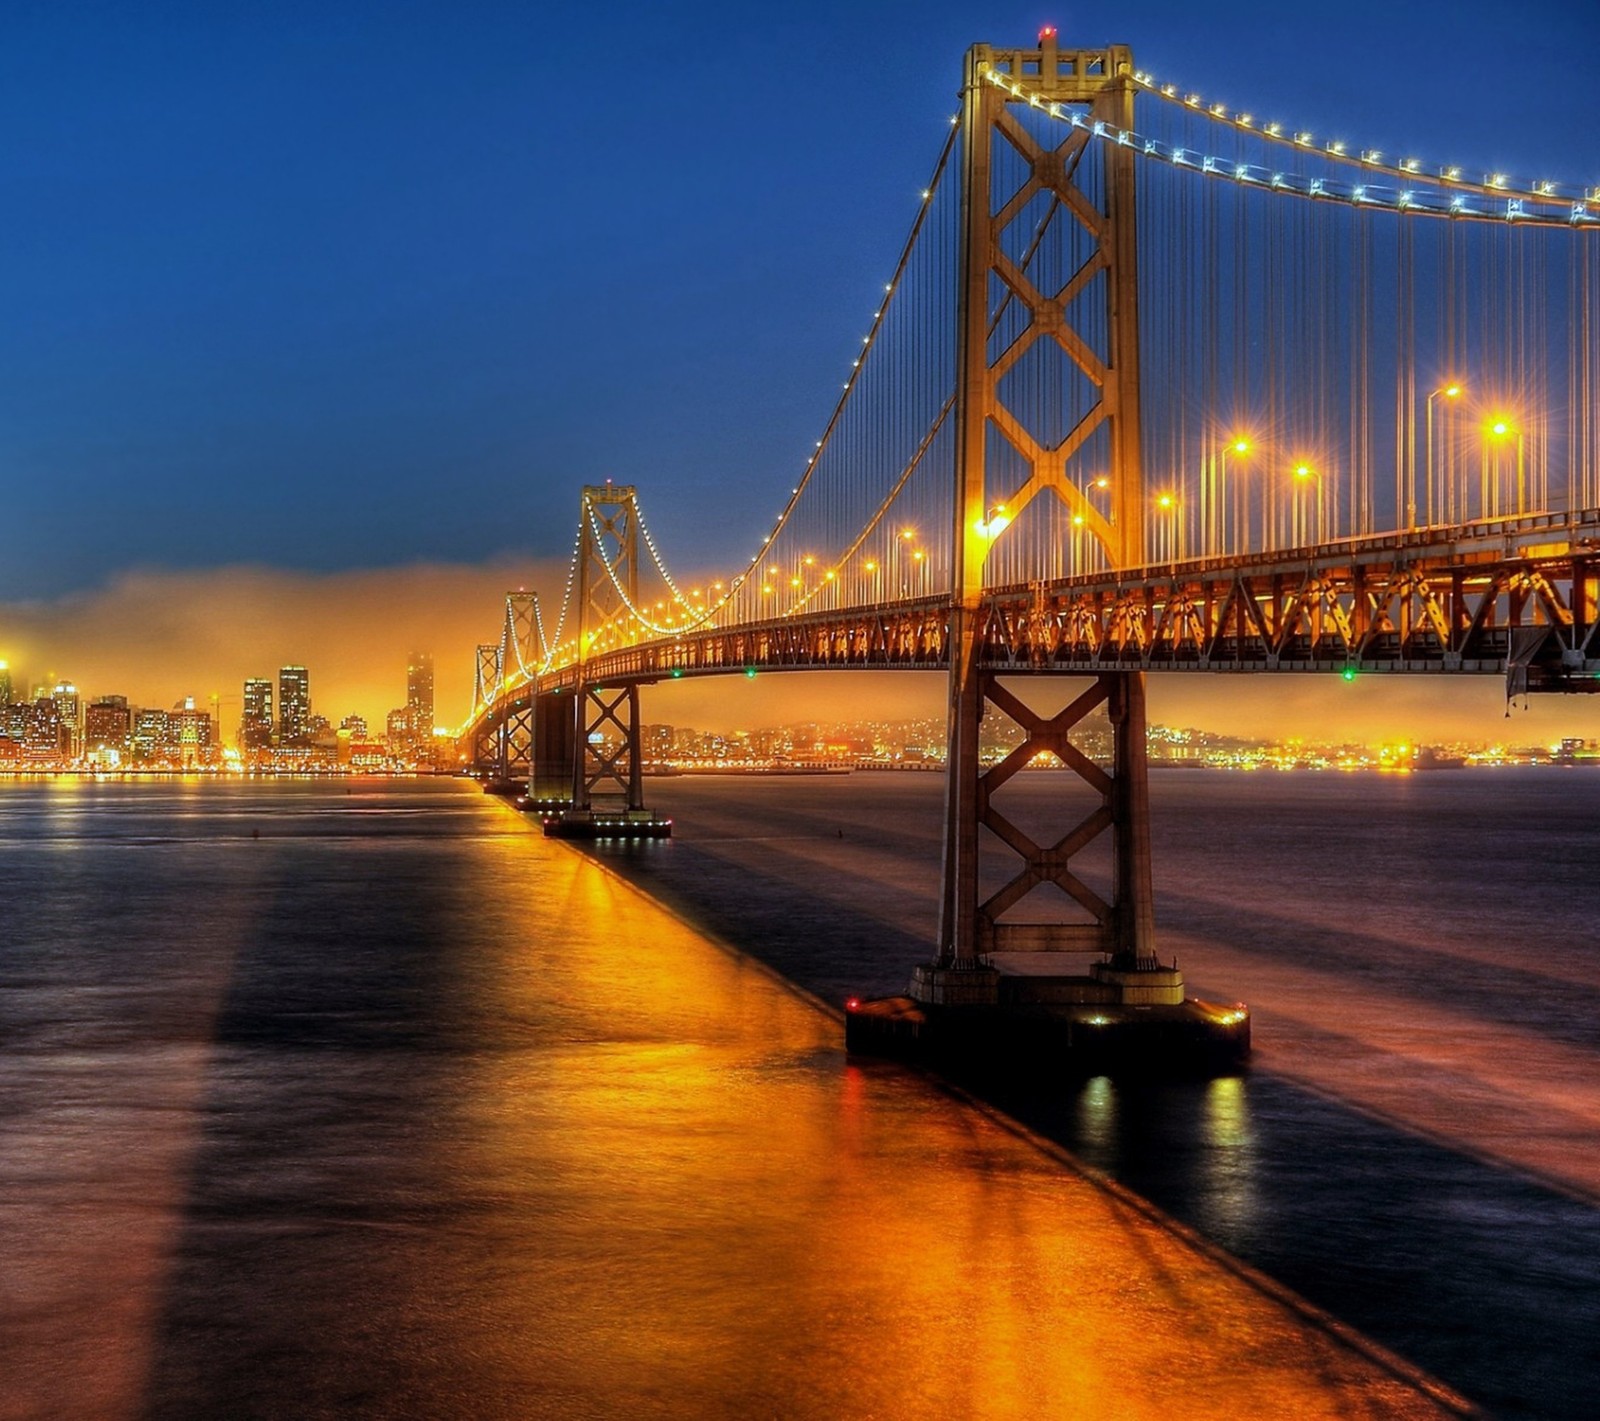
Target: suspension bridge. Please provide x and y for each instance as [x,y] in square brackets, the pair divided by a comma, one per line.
[1155,385]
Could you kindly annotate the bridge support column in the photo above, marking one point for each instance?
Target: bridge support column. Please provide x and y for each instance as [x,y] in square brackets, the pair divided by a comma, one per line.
[484,754]
[1000,998]
[605,771]
[554,748]
[1133,939]
[607,765]
[513,748]
[980,933]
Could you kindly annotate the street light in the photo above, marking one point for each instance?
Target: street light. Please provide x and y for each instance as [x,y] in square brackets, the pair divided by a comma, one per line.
[1240,447]
[1452,391]
[993,523]
[904,544]
[1299,531]
[1499,430]
[1167,531]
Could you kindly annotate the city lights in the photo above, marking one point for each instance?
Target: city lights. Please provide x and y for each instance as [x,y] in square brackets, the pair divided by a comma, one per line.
[58,730]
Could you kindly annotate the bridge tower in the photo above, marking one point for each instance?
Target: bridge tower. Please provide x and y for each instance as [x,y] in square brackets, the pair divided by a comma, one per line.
[518,656]
[606,788]
[486,741]
[1105,352]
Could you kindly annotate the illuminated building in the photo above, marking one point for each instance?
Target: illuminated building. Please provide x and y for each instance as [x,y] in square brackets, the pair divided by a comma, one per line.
[106,729]
[150,737]
[5,683]
[32,730]
[419,696]
[294,705]
[69,718]
[189,734]
[356,725]
[255,725]
[44,731]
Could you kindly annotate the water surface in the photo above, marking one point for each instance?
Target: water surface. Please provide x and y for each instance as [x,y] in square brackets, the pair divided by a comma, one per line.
[376,1103]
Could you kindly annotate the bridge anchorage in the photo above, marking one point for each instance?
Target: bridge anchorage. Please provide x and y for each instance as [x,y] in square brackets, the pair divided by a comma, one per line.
[1197,394]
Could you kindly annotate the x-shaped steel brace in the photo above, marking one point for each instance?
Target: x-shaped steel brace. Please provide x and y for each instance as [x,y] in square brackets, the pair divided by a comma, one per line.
[1040,864]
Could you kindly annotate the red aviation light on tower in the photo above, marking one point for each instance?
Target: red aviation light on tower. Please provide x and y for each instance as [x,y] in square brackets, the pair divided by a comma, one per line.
[1047,34]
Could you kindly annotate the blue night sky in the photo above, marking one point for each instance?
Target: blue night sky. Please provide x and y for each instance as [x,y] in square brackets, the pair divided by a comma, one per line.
[324,288]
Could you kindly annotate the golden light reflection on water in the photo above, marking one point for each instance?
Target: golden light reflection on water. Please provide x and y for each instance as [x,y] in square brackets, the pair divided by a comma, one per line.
[1227,1120]
[1097,1114]
[1230,1187]
[698,1208]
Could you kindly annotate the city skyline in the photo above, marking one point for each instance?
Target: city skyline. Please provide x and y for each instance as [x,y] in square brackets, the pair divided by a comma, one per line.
[274,724]
[207,458]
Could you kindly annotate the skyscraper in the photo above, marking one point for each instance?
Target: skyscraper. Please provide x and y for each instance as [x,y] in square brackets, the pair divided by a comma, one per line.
[294,705]
[5,683]
[255,726]
[69,713]
[419,696]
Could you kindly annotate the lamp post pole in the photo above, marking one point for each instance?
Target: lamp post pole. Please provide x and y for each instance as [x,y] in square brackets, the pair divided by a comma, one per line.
[1450,392]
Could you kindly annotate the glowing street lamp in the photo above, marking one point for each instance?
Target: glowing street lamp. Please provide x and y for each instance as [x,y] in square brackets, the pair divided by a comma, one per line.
[1239,446]
[1451,391]
[995,522]
[1501,431]
[1168,528]
[1300,532]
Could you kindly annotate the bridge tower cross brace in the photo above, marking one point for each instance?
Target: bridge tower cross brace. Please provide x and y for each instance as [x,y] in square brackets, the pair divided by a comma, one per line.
[1100,81]
[608,595]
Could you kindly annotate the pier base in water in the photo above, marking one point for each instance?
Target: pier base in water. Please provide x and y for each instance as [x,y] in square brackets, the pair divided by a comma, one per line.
[569,823]
[1024,1014]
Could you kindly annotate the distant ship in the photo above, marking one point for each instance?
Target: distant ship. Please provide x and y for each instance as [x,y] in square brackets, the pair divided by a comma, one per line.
[1430,759]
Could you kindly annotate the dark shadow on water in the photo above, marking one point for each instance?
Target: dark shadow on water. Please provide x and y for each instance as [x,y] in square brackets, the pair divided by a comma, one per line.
[315,1272]
[815,942]
[1488,1280]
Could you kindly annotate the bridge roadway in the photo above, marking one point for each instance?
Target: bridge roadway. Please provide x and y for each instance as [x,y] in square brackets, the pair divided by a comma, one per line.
[1460,599]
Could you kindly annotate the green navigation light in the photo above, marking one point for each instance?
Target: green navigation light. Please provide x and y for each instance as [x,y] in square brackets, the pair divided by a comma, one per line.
[750,671]
[1349,673]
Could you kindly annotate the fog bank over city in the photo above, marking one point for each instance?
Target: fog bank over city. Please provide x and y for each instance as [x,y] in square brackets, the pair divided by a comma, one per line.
[155,635]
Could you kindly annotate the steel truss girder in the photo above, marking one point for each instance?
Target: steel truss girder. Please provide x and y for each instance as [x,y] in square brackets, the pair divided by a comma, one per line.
[1440,606]
[1395,614]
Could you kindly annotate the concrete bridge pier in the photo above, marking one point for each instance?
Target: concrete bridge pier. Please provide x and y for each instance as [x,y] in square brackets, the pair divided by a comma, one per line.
[553,748]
